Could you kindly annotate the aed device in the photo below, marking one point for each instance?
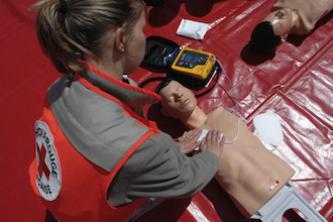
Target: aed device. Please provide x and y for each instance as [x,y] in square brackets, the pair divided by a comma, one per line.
[192,62]
[185,61]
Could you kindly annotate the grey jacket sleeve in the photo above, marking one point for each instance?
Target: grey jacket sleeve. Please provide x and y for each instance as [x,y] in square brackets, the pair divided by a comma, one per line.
[159,169]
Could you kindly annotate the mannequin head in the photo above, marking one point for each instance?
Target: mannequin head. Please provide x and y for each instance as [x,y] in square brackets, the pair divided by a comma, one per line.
[263,38]
[177,101]
[274,29]
[282,21]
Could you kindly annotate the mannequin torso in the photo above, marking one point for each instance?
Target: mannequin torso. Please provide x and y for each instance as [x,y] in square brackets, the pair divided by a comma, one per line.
[248,171]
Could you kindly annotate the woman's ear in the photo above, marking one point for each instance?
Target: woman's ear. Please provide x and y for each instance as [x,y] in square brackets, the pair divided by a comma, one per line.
[120,39]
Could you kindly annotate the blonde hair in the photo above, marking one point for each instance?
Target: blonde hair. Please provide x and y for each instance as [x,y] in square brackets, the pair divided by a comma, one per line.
[70,30]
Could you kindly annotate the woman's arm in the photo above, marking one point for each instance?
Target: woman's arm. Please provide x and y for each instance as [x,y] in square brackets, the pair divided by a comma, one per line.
[159,169]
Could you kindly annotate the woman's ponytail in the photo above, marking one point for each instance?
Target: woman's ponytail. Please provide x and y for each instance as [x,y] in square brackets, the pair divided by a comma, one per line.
[69,31]
[55,43]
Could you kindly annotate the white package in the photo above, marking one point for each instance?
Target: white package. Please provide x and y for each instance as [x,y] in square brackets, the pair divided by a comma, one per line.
[193,29]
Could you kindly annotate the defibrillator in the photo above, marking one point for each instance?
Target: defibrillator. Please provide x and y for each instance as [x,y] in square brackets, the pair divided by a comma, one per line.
[184,61]
[196,63]
[196,69]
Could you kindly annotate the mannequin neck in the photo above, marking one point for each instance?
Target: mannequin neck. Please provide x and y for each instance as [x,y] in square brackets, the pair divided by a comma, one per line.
[195,120]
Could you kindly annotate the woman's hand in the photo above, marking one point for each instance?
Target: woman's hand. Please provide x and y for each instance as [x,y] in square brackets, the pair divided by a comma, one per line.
[213,142]
[189,141]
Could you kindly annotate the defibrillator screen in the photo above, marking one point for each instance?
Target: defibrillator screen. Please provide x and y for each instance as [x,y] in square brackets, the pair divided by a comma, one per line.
[190,59]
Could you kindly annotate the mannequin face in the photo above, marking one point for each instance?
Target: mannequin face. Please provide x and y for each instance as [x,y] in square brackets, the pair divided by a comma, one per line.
[282,21]
[177,101]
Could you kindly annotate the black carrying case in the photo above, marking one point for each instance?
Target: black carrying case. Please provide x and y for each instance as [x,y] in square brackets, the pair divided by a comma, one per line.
[161,52]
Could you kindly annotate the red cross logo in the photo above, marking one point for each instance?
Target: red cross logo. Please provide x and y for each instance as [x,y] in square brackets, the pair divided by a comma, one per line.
[42,167]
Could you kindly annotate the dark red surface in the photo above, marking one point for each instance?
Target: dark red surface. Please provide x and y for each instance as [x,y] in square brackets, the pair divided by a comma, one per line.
[296,82]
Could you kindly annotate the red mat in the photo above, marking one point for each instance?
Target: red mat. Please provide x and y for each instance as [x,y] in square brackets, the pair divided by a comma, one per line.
[296,83]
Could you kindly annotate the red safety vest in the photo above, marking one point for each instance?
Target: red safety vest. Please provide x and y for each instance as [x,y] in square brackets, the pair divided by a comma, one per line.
[70,186]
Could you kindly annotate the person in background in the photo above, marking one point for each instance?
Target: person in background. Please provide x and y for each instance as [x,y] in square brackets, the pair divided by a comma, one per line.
[297,17]
[256,179]
[97,157]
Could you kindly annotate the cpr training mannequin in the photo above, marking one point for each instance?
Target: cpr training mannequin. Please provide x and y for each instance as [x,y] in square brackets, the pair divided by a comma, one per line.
[248,172]
[97,158]
[297,17]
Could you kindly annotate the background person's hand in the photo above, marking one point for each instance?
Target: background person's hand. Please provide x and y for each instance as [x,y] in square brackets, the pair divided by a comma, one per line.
[213,142]
[189,141]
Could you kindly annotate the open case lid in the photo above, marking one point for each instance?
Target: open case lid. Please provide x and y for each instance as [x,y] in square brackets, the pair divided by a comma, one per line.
[160,52]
